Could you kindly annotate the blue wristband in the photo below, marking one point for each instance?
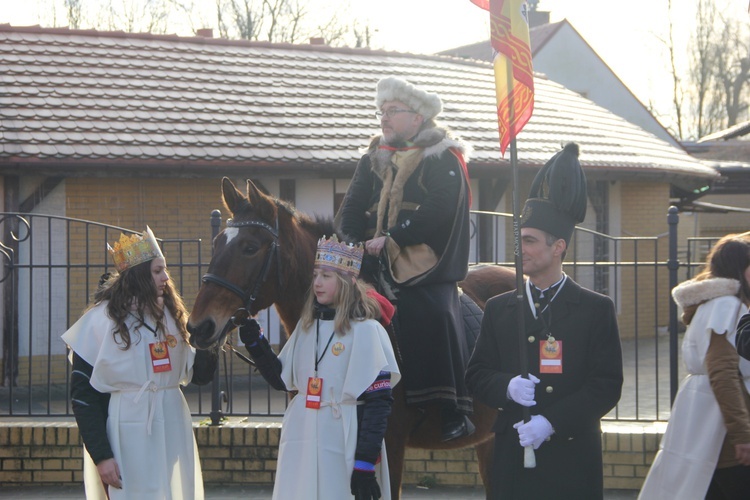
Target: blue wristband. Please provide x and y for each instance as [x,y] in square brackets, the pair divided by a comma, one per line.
[256,342]
[364,466]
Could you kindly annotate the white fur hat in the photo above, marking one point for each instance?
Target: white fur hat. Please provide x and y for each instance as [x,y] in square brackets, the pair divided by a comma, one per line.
[396,89]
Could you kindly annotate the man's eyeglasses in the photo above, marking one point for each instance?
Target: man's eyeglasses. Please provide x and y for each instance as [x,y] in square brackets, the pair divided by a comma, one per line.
[391,112]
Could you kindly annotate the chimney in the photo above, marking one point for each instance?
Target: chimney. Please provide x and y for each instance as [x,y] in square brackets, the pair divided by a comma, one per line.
[317,40]
[538,18]
[205,32]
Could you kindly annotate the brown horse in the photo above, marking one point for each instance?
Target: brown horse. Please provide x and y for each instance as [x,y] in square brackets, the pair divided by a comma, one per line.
[265,257]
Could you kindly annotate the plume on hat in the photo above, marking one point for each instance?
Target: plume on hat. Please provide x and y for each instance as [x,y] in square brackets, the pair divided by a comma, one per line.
[563,183]
[557,199]
[396,89]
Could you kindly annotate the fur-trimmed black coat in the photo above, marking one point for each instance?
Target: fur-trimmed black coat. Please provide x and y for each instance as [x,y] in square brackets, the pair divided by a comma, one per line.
[425,200]
[569,465]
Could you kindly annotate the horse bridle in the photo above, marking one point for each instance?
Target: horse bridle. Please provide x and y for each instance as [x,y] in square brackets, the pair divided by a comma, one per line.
[250,295]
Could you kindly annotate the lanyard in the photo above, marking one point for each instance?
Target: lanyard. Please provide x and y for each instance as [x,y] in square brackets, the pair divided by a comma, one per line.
[143,322]
[531,299]
[317,336]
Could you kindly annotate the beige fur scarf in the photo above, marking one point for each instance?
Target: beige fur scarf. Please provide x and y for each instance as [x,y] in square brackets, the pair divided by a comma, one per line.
[402,165]
[396,167]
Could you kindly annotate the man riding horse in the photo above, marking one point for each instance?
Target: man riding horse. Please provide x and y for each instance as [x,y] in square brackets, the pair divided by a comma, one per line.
[409,202]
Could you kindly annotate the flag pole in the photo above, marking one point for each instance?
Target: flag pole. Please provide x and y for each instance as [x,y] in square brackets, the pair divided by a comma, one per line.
[529,459]
[503,42]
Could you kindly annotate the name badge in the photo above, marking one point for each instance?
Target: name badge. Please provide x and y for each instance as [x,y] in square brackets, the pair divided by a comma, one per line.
[160,357]
[314,390]
[550,356]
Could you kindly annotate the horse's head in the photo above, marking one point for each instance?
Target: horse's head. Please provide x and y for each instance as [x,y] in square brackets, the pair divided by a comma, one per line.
[243,276]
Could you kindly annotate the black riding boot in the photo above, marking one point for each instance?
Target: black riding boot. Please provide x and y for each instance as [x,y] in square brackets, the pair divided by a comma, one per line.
[455,424]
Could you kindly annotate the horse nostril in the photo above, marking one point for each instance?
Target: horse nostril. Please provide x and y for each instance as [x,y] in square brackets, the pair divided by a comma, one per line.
[200,335]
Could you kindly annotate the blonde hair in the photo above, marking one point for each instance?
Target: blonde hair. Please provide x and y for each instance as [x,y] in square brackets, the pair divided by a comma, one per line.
[351,301]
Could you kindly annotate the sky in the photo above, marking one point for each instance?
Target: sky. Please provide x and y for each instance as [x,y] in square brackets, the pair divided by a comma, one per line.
[626,35]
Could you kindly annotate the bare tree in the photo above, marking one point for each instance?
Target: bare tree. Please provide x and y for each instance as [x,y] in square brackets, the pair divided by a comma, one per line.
[73,13]
[732,55]
[702,71]
[712,93]
[239,19]
[362,36]
[677,94]
[287,21]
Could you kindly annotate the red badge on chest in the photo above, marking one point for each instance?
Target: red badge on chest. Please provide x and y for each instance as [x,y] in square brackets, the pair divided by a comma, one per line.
[550,356]
[314,390]
[160,357]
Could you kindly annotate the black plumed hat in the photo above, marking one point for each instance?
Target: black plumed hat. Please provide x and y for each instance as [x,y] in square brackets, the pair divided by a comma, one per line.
[557,199]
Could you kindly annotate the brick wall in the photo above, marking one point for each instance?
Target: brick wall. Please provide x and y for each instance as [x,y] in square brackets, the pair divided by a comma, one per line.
[245,452]
[38,453]
[643,214]
[174,208]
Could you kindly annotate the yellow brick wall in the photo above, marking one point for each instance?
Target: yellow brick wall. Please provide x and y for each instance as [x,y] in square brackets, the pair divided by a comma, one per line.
[34,454]
[37,373]
[173,208]
[644,214]
[245,452]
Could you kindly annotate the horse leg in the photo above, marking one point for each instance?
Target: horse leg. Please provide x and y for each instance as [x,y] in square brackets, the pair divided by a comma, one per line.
[400,423]
[485,455]
[395,448]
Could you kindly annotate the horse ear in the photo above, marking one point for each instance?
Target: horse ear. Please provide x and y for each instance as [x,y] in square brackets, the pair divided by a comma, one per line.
[232,197]
[253,193]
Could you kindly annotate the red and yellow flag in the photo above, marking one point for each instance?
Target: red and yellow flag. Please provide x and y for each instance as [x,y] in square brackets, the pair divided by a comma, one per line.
[514,75]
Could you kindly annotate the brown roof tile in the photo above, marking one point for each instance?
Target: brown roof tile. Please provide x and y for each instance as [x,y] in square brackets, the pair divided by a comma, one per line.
[120,98]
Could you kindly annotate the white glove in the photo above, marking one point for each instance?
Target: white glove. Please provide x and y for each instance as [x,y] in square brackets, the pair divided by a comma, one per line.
[521,390]
[534,432]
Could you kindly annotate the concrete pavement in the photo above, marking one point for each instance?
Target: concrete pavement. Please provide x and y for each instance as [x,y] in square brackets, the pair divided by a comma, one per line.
[264,493]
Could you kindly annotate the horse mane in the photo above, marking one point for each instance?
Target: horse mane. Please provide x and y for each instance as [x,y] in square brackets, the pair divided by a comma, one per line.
[320,226]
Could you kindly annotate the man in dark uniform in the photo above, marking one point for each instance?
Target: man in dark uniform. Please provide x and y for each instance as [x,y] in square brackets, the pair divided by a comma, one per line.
[409,202]
[573,351]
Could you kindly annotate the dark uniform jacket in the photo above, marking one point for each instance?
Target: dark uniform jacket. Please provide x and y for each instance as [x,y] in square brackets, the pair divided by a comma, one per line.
[569,465]
[422,201]
[431,201]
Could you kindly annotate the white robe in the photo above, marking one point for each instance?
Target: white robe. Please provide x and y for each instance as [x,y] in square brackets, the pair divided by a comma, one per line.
[149,424]
[316,448]
[689,451]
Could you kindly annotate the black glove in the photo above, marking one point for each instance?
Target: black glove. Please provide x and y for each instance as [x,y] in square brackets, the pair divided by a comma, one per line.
[364,485]
[250,332]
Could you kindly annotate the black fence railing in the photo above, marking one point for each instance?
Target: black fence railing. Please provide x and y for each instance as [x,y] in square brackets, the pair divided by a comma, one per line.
[51,266]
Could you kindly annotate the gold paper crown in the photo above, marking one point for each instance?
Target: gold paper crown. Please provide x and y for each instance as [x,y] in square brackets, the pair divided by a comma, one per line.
[339,256]
[134,249]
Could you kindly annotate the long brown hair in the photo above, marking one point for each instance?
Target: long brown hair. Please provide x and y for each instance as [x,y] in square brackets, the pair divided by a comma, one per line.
[351,301]
[134,287]
[729,258]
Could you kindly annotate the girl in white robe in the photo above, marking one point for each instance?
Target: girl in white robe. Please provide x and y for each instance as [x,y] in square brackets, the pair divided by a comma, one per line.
[340,362]
[705,451]
[130,356]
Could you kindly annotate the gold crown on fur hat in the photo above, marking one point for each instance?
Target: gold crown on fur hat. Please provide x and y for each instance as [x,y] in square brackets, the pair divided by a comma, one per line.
[396,89]
[132,250]
[338,256]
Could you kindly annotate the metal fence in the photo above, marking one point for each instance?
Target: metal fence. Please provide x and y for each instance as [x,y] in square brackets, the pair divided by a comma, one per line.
[51,266]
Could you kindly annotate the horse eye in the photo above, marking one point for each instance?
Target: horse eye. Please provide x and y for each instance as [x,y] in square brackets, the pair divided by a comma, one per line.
[250,250]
